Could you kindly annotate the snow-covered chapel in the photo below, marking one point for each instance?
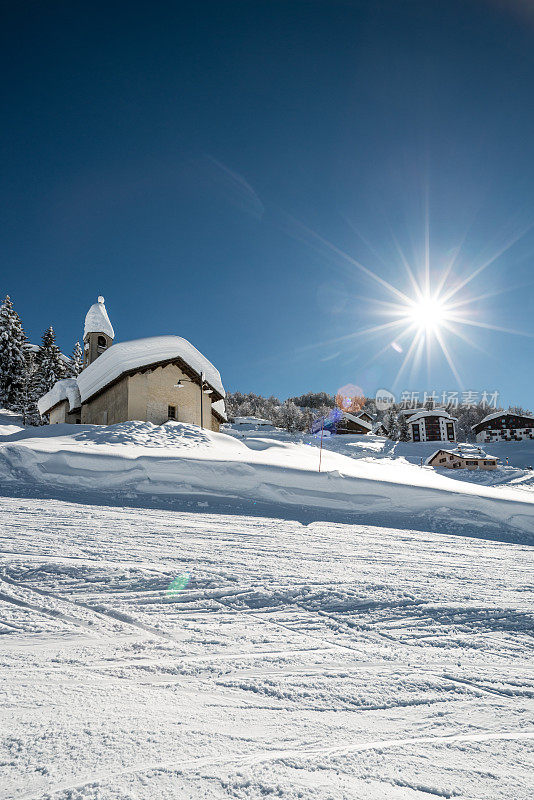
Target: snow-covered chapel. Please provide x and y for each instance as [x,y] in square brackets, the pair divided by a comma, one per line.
[156,379]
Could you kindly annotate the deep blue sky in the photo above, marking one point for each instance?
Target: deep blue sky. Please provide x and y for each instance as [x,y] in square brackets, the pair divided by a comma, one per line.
[183,159]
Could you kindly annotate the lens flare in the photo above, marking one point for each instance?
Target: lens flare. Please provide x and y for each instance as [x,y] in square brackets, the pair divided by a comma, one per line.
[179,583]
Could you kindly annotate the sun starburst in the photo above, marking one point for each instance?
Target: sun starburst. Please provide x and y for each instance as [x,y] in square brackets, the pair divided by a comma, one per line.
[421,322]
[427,313]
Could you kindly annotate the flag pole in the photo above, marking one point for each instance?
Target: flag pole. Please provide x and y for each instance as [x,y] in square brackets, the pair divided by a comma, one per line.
[201,403]
[321,448]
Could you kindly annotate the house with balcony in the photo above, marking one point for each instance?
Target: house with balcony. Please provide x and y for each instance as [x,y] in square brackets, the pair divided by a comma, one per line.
[462,457]
[504,426]
[436,425]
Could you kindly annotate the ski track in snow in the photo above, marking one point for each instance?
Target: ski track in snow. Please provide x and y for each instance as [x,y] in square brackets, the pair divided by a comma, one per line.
[300,661]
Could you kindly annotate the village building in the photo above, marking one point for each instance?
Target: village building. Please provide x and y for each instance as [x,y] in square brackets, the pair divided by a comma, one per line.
[365,416]
[252,424]
[504,426]
[156,379]
[360,423]
[462,458]
[62,403]
[380,429]
[436,425]
[342,422]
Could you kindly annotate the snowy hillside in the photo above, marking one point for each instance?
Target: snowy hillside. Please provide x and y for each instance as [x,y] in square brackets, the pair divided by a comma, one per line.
[519,454]
[201,615]
[361,478]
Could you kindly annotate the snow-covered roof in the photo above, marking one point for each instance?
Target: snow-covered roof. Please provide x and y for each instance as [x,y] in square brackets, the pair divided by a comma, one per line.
[97,320]
[252,421]
[128,356]
[463,451]
[66,389]
[220,409]
[423,412]
[498,414]
[356,418]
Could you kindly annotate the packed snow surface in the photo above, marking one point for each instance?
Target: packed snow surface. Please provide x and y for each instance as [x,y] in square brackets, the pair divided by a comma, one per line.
[161,654]
[65,389]
[199,615]
[97,320]
[125,356]
[10,423]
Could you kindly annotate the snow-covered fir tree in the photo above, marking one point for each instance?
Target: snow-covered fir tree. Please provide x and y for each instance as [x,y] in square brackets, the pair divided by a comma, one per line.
[317,400]
[27,403]
[403,429]
[49,365]
[12,355]
[391,424]
[467,416]
[311,406]
[76,360]
[290,416]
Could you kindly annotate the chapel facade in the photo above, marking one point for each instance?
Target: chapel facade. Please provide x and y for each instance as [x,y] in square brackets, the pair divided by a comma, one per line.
[155,379]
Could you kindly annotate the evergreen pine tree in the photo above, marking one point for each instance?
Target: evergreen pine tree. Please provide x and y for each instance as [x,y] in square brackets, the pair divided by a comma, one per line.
[391,424]
[27,402]
[76,360]
[404,431]
[49,365]
[12,355]
[290,416]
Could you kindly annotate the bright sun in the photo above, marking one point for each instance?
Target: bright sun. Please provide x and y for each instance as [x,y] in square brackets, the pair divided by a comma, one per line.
[427,313]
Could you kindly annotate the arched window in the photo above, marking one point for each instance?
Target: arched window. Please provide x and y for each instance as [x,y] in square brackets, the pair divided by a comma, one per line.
[102,341]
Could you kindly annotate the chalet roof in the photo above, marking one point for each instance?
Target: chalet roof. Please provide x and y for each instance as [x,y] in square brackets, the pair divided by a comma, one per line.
[418,413]
[97,320]
[126,357]
[356,418]
[252,421]
[498,414]
[66,389]
[470,453]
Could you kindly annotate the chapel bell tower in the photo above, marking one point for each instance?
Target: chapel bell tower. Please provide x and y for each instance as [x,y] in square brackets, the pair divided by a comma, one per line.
[98,333]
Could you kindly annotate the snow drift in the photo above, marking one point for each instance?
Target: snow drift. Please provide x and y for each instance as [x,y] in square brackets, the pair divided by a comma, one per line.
[140,459]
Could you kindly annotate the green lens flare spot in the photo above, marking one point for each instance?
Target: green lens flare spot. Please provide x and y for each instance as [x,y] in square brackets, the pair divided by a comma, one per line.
[179,583]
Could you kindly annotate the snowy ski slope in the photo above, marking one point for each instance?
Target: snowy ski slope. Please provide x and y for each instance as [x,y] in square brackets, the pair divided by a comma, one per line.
[299,661]
[188,614]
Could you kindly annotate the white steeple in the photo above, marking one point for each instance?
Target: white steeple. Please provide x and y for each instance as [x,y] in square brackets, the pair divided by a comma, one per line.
[98,333]
[97,320]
